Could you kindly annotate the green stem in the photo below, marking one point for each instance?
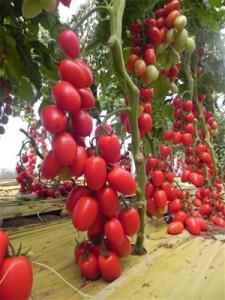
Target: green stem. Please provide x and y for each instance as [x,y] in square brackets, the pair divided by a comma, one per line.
[32,142]
[132,91]
[111,114]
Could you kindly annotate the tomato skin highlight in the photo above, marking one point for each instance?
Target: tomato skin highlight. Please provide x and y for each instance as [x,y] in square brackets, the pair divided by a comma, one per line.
[18,282]
[130,220]
[85,213]
[53,119]
[51,166]
[95,172]
[110,266]
[64,147]
[66,96]
[160,198]
[175,227]
[89,266]
[108,201]
[114,231]
[69,43]
[122,181]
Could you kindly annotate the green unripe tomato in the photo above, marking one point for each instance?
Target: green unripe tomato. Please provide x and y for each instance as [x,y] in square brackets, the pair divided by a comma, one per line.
[162,58]
[180,22]
[181,38]
[190,45]
[174,57]
[161,48]
[152,73]
[173,88]
[170,36]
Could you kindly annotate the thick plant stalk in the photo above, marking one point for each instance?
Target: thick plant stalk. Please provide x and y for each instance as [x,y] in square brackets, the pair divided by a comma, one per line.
[132,91]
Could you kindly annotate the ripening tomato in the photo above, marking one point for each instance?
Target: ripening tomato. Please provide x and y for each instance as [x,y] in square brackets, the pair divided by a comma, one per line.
[69,42]
[173,5]
[82,123]
[171,18]
[175,227]
[205,209]
[203,225]
[108,201]
[75,194]
[170,176]
[189,118]
[149,190]
[160,198]
[185,175]
[66,2]
[180,216]
[158,177]
[123,250]
[95,172]
[109,147]
[64,148]
[4,241]
[130,62]
[140,67]
[196,179]
[168,134]
[130,220]
[151,164]
[165,150]
[72,72]
[97,228]
[87,71]
[66,96]
[17,284]
[154,35]
[145,122]
[177,138]
[122,181]
[87,98]
[166,186]
[175,205]
[88,264]
[85,213]
[53,118]
[110,266]
[146,94]
[206,158]
[151,206]
[187,139]
[51,166]
[78,165]
[114,231]
[193,225]
[150,57]
[189,128]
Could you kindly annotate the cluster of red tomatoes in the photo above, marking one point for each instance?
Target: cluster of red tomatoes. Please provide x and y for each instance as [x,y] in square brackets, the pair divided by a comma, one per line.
[27,169]
[100,209]
[16,274]
[5,103]
[95,207]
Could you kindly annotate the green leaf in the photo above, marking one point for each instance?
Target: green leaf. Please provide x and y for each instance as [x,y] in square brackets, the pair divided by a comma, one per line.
[25,90]
[31,8]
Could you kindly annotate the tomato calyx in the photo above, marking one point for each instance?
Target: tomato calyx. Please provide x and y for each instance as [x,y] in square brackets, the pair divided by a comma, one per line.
[11,252]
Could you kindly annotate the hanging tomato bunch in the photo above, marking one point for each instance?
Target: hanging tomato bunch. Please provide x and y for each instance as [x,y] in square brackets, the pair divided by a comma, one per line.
[5,103]
[98,207]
